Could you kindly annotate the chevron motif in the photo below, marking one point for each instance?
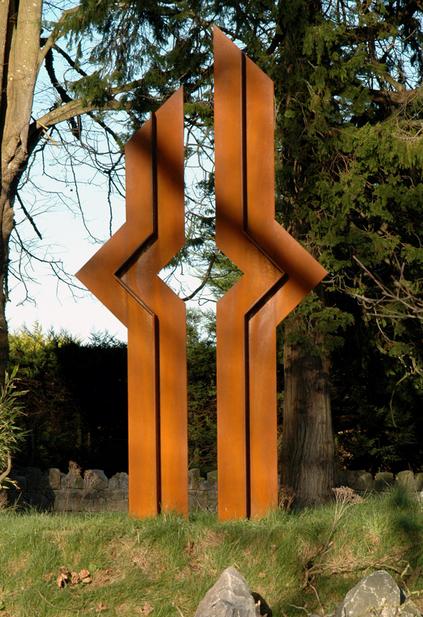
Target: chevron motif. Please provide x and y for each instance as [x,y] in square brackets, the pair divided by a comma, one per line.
[277,274]
[123,276]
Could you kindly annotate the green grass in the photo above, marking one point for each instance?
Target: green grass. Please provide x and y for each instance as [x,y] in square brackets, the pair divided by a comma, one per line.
[164,566]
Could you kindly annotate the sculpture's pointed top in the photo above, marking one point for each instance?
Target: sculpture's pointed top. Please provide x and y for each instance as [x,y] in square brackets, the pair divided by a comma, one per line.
[220,37]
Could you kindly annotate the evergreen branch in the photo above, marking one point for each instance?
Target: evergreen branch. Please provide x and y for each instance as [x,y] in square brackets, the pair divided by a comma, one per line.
[78,107]
[388,97]
[78,69]
[416,306]
[398,87]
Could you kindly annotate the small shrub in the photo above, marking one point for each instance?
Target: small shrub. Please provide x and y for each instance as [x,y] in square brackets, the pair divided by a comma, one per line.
[12,433]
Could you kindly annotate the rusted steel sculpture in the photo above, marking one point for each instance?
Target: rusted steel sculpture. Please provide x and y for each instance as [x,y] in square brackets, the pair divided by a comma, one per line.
[278,273]
[123,275]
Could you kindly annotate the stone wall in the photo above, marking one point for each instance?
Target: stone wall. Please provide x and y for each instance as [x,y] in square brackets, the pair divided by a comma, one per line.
[92,491]
[364,482]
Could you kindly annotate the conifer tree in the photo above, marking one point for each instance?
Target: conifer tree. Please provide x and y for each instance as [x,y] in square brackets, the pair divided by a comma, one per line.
[348,83]
[349,153]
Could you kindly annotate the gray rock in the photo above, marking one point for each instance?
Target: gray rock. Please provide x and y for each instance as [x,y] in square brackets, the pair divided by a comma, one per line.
[68,500]
[119,481]
[408,609]
[95,480]
[212,500]
[198,500]
[203,485]
[117,505]
[117,494]
[407,481]
[365,482]
[73,479]
[376,595]
[93,501]
[117,500]
[54,478]
[194,478]
[229,597]
[352,478]
[383,480]
[212,478]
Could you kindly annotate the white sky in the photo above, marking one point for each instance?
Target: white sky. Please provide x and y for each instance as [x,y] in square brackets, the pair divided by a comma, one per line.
[54,304]
[50,198]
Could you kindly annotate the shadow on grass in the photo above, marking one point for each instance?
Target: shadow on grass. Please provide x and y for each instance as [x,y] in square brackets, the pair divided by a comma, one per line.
[406,521]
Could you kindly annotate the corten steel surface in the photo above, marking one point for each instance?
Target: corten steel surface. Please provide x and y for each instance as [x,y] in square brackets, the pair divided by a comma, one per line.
[277,273]
[123,275]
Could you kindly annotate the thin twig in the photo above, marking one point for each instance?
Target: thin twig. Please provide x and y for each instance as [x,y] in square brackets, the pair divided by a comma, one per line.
[28,216]
[204,281]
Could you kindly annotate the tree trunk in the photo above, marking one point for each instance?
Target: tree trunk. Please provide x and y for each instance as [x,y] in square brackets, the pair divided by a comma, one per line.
[19,62]
[307,452]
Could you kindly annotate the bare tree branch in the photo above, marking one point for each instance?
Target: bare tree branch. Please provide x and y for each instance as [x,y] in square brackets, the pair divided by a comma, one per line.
[204,281]
[28,216]
[55,35]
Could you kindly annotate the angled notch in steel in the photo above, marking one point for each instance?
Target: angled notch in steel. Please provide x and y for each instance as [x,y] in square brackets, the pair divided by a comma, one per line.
[277,274]
[123,274]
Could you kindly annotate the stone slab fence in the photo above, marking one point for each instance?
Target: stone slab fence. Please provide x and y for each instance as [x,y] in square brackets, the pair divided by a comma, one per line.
[92,491]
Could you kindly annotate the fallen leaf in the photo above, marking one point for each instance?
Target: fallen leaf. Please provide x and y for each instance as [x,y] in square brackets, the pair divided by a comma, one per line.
[62,580]
[101,607]
[146,609]
[85,576]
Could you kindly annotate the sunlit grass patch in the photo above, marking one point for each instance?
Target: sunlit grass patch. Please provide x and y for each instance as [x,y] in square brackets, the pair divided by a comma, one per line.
[162,567]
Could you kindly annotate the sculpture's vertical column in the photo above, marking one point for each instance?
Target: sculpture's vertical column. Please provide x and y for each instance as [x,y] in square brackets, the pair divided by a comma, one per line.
[277,274]
[123,275]
[231,341]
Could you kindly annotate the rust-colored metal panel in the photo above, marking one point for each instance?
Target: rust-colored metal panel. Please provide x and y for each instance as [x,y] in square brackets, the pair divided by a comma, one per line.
[123,275]
[167,308]
[278,273]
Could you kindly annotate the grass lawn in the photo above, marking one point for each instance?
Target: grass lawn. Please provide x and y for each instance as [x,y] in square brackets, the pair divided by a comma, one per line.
[299,562]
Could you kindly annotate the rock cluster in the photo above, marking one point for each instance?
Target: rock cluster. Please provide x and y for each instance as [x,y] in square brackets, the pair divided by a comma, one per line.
[376,595]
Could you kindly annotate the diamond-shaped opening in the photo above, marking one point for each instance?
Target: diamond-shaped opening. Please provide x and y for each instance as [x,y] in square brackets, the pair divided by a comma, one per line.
[200,274]
[200,277]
